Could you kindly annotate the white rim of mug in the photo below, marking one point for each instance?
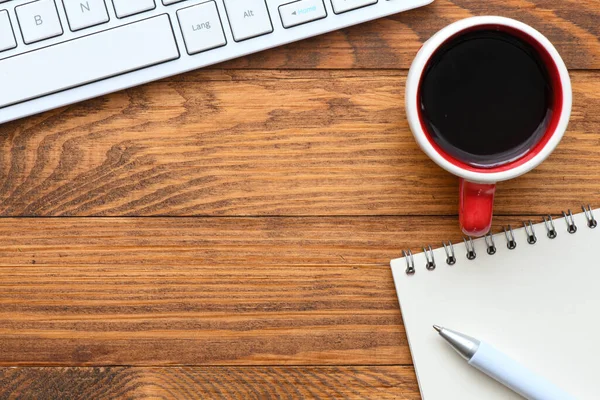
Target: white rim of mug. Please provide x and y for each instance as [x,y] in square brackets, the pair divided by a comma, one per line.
[414,79]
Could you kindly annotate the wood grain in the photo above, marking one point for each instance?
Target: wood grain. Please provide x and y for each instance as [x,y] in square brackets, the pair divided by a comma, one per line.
[221,242]
[234,225]
[392,42]
[213,291]
[165,315]
[382,382]
[264,143]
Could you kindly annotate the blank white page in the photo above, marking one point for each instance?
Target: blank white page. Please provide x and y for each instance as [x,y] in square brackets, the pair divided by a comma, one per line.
[540,304]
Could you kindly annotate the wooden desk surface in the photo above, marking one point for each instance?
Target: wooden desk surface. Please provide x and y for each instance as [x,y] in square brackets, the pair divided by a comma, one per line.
[227,232]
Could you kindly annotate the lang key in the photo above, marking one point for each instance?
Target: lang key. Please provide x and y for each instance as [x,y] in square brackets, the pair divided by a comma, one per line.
[201,27]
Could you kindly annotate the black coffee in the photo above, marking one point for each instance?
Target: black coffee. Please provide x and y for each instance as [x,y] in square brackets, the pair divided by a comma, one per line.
[486,97]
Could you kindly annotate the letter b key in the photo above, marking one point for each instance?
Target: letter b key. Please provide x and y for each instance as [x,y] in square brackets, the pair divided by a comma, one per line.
[38,21]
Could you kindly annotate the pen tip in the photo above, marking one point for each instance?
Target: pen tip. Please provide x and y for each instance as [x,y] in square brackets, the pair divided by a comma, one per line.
[437,328]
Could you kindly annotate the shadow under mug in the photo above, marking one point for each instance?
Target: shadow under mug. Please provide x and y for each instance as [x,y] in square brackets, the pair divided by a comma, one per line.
[478,184]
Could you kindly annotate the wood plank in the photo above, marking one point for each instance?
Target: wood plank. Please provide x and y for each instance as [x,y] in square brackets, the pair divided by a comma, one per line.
[210,291]
[188,314]
[222,242]
[264,143]
[393,42]
[382,382]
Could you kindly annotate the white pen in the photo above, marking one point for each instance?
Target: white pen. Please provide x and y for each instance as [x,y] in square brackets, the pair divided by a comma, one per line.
[502,368]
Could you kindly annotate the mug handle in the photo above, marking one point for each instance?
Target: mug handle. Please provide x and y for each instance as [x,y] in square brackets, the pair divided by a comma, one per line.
[476,207]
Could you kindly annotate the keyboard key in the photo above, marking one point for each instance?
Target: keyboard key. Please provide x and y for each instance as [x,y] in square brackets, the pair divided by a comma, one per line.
[248,18]
[168,2]
[125,8]
[301,12]
[7,36]
[38,21]
[85,13]
[87,59]
[340,6]
[201,27]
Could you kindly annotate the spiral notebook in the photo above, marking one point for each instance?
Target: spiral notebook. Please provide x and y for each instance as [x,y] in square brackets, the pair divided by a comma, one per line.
[539,302]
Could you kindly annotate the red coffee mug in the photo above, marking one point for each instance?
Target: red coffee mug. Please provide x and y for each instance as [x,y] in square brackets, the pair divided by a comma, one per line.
[478,184]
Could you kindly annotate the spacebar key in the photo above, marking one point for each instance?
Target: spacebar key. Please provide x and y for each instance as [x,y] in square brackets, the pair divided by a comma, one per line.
[87,59]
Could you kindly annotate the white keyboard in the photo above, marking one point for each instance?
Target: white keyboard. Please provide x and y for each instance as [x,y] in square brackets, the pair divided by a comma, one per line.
[58,52]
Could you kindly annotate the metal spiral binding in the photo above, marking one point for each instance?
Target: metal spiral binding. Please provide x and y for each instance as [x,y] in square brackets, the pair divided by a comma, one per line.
[531,238]
[591,221]
[430,263]
[511,242]
[489,242]
[449,249]
[471,255]
[410,262]
[571,227]
[550,229]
